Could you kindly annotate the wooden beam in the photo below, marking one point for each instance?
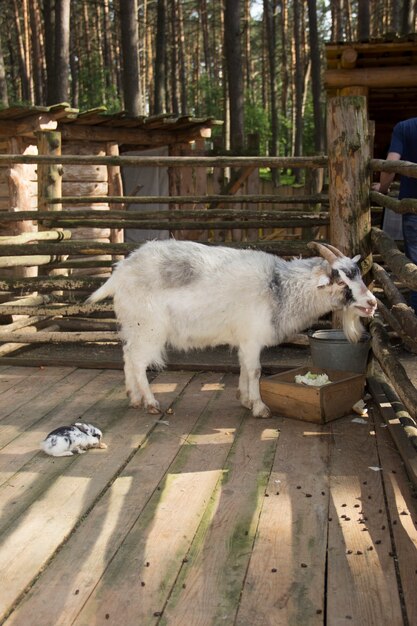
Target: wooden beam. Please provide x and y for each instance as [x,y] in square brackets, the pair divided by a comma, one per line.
[59,337]
[348,58]
[27,127]
[75,132]
[392,367]
[398,263]
[152,161]
[372,77]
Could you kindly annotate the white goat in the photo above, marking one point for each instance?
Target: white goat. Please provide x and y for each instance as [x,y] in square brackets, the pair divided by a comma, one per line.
[189,295]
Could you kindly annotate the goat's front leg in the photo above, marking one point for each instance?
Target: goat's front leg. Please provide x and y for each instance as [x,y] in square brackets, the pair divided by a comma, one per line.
[250,373]
[243,390]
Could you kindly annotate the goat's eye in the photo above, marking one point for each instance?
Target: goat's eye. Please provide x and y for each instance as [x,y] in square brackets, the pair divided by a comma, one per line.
[341,283]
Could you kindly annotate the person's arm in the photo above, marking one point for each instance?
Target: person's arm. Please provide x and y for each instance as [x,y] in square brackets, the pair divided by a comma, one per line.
[386,177]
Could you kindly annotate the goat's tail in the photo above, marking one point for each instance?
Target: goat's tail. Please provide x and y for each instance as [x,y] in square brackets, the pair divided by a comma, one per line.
[105,291]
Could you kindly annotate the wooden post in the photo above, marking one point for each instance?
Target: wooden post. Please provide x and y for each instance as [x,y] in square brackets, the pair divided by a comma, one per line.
[349,177]
[49,180]
[49,176]
[348,144]
[115,188]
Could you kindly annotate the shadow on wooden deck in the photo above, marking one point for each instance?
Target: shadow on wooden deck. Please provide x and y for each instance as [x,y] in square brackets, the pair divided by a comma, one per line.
[203,516]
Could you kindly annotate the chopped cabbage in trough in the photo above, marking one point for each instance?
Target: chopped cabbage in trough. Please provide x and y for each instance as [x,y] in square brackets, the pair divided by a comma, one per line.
[314,380]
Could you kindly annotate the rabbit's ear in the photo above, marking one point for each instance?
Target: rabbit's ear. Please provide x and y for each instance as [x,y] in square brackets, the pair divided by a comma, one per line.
[83,427]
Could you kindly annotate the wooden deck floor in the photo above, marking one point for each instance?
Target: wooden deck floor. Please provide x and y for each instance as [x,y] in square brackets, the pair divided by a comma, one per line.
[205,517]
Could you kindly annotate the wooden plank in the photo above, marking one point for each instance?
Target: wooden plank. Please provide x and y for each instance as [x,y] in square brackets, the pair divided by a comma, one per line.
[21,436]
[359,546]
[11,376]
[403,516]
[59,361]
[154,550]
[75,483]
[62,589]
[29,388]
[208,588]
[286,576]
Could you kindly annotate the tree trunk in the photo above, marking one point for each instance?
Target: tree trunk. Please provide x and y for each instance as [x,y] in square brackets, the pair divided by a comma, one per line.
[37,52]
[337,25]
[148,55]
[233,49]
[363,20]
[206,41]
[108,48]
[24,74]
[130,48]
[75,61]
[269,10]
[407,17]
[173,72]
[49,22]
[4,98]
[298,87]
[59,79]
[181,59]
[160,95]
[315,77]
[284,68]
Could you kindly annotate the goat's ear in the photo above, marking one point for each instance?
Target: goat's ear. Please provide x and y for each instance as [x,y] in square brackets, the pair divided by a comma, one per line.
[356,258]
[323,280]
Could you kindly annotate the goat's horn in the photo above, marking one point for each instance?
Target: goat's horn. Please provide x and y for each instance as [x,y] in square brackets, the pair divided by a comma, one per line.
[333,249]
[324,251]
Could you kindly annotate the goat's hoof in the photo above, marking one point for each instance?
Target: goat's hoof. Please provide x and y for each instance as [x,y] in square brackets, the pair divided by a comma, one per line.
[135,404]
[153,409]
[262,412]
[244,400]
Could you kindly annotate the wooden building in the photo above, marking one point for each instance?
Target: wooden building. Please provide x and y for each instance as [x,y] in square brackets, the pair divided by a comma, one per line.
[383,71]
[96,133]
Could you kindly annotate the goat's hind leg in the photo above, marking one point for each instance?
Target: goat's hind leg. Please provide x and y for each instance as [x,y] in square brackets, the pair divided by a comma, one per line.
[132,387]
[141,356]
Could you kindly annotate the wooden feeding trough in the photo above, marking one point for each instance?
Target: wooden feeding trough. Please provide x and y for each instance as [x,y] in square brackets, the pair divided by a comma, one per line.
[322,404]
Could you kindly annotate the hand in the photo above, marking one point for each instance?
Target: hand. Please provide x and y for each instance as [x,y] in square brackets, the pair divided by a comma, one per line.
[376,187]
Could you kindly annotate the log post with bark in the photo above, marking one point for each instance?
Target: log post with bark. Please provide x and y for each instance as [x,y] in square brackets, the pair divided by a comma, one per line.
[49,179]
[349,180]
[349,177]
[49,174]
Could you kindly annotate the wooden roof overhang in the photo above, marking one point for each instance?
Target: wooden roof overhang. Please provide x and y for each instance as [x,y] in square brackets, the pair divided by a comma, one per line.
[99,125]
[385,72]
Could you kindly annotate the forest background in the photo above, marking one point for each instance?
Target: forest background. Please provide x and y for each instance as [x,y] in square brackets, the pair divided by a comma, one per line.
[256,65]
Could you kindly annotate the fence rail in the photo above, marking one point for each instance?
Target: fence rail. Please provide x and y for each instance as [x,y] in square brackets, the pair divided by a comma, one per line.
[53,254]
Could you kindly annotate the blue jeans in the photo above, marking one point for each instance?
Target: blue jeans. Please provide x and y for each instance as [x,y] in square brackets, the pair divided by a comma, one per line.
[410,247]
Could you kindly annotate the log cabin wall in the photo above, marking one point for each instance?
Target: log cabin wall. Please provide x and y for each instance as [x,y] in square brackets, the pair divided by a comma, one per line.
[87,180]
[383,71]
[18,192]
[93,133]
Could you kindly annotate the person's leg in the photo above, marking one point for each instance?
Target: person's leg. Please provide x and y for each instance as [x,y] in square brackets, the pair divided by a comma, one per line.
[410,247]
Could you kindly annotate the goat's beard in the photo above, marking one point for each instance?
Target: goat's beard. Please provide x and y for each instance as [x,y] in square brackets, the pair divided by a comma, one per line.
[352,325]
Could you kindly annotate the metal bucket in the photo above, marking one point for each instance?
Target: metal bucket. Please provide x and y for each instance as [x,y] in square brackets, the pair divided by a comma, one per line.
[330,349]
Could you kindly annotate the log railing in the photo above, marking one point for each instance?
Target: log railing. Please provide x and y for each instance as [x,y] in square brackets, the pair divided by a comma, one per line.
[63,296]
[398,271]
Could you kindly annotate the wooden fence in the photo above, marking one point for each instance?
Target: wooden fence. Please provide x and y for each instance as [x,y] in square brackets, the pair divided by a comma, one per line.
[39,307]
